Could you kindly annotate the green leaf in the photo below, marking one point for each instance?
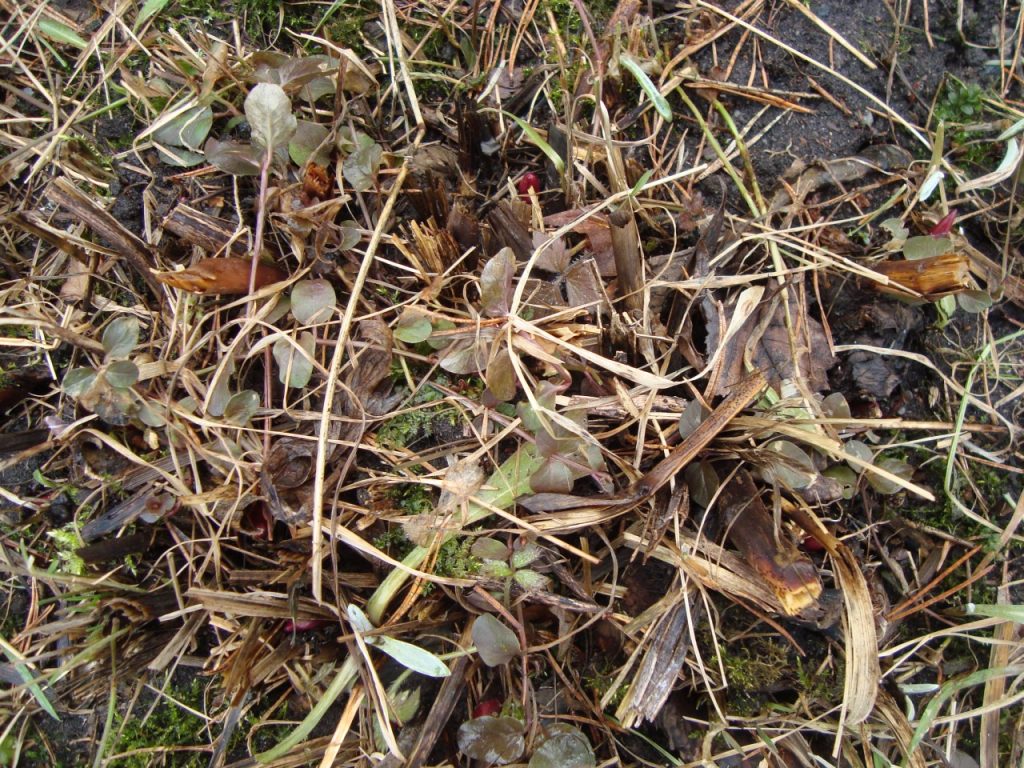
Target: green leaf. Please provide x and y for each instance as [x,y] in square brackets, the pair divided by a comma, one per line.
[269,113]
[884,485]
[78,381]
[149,9]
[360,623]
[493,740]
[974,302]
[309,138]
[60,33]
[788,464]
[411,656]
[845,476]
[341,682]
[858,450]
[531,580]
[361,166]
[295,369]
[496,643]
[894,227]
[120,336]
[413,326]
[233,157]
[115,405]
[501,376]
[660,102]
[1009,612]
[489,549]
[189,129]
[241,407]
[692,416]
[20,665]
[553,476]
[313,301]
[525,555]
[122,373]
[535,138]
[926,246]
[835,406]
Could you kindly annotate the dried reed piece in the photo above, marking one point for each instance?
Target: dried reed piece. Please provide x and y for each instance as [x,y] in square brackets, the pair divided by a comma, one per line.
[930,278]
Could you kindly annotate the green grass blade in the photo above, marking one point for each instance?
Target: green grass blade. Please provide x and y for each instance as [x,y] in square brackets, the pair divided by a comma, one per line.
[149,9]
[19,663]
[535,138]
[345,677]
[60,33]
[660,102]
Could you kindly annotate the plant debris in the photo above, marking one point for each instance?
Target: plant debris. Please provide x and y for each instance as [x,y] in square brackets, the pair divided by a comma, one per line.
[555,384]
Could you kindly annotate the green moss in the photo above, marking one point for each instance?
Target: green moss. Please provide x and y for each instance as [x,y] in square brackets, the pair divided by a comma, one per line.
[454,559]
[168,726]
[416,423]
[755,666]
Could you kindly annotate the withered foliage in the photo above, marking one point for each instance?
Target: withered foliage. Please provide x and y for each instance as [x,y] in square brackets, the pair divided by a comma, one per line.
[445,407]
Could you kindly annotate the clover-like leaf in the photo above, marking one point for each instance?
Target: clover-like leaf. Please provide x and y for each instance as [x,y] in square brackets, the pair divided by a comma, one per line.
[884,485]
[553,476]
[835,406]
[115,405]
[313,301]
[858,450]
[489,549]
[531,580]
[693,414]
[295,369]
[974,302]
[413,326]
[361,166]
[307,140]
[241,407]
[120,336]
[78,381]
[122,373]
[493,740]
[847,478]
[525,555]
[496,643]
[269,113]
[501,376]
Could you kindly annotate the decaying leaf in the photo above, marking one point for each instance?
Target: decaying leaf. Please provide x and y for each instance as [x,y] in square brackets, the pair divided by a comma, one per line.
[792,576]
[763,339]
[226,275]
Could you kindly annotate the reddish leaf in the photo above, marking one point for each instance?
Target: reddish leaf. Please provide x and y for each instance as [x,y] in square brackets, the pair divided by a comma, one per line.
[228,275]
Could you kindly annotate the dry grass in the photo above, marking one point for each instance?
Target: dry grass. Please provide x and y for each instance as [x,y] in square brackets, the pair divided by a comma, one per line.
[714,551]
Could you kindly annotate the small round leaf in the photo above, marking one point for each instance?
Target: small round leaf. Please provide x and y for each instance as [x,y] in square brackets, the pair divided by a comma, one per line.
[313,301]
[564,749]
[489,549]
[241,407]
[121,336]
[494,740]
[78,381]
[496,643]
[122,373]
